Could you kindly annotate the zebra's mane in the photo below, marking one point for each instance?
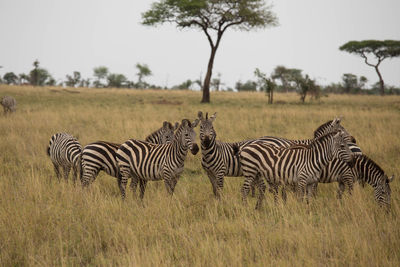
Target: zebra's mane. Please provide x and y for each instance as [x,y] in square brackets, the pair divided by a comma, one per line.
[180,128]
[323,127]
[370,162]
[299,146]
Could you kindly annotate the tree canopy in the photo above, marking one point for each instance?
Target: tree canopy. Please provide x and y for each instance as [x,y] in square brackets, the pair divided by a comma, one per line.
[380,49]
[213,18]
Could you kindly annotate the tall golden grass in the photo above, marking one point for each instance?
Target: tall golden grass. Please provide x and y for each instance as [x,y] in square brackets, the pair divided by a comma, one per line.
[43,222]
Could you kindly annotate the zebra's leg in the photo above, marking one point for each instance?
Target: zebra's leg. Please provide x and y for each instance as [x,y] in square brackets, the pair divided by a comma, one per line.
[75,172]
[67,169]
[283,192]
[261,191]
[57,170]
[275,191]
[213,184]
[248,181]
[142,187]
[340,190]
[314,190]
[310,191]
[123,179]
[301,188]
[133,185]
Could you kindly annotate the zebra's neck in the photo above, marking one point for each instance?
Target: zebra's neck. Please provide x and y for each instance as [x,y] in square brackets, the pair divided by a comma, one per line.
[154,137]
[368,171]
[178,147]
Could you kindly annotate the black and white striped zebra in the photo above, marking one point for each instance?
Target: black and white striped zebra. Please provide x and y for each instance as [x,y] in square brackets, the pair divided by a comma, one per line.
[298,165]
[64,151]
[145,161]
[219,158]
[9,104]
[101,155]
[367,171]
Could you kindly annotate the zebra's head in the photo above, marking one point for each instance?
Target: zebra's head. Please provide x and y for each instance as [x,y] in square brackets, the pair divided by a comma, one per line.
[167,132]
[207,132]
[188,135]
[340,148]
[331,127]
[383,192]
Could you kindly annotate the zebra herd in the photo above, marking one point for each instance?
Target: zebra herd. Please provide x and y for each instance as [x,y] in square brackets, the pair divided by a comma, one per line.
[331,156]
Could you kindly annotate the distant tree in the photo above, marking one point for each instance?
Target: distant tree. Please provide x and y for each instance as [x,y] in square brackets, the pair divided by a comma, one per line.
[216,83]
[74,79]
[287,77]
[116,80]
[38,76]
[265,84]
[50,81]
[350,82]
[305,86]
[213,17]
[23,78]
[84,82]
[184,86]
[249,86]
[380,49]
[101,74]
[362,81]
[10,78]
[143,71]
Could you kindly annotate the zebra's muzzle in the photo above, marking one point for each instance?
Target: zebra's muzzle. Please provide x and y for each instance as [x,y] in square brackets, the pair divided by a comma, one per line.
[195,149]
[207,141]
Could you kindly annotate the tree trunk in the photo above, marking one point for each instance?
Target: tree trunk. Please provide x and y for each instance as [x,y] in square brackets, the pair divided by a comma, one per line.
[272,96]
[381,83]
[207,79]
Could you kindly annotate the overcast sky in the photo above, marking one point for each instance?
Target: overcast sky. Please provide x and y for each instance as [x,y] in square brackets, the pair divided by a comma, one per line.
[81,34]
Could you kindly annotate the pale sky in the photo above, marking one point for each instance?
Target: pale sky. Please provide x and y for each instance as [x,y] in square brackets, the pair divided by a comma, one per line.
[82,34]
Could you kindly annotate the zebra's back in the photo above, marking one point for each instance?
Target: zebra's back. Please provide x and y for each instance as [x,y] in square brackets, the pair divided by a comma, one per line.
[100,155]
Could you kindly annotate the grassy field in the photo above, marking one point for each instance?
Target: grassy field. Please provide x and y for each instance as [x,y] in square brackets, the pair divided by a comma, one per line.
[46,223]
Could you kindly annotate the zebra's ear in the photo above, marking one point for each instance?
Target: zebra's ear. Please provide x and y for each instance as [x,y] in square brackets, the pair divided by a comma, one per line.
[212,118]
[195,122]
[176,125]
[185,122]
[165,124]
[391,178]
[200,115]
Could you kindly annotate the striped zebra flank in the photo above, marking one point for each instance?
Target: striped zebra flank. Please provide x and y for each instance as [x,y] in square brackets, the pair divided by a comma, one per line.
[9,104]
[64,151]
[145,161]
[101,155]
[298,165]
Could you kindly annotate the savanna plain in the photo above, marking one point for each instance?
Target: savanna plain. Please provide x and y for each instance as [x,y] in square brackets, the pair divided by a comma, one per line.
[44,222]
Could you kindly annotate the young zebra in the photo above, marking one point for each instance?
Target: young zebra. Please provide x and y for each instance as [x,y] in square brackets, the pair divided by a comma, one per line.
[364,170]
[64,151]
[101,155]
[9,104]
[298,165]
[219,158]
[146,161]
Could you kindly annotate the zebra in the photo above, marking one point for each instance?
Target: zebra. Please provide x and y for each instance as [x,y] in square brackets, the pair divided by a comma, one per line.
[101,155]
[9,104]
[297,164]
[219,159]
[146,161]
[64,151]
[367,171]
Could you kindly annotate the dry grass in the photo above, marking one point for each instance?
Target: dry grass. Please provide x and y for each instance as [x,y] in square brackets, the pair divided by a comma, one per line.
[43,222]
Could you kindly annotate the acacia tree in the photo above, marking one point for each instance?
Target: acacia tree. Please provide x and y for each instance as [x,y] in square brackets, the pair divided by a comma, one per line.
[266,84]
[380,49]
[143,71]
[213,17]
